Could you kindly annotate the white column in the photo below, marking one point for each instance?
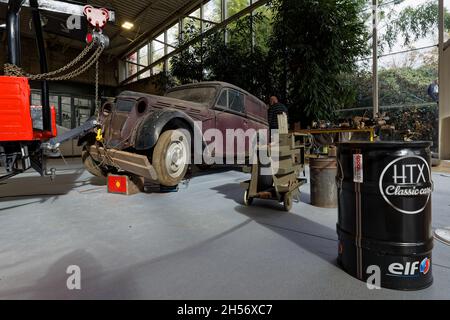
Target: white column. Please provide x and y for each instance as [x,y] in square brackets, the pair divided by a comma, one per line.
[375,58]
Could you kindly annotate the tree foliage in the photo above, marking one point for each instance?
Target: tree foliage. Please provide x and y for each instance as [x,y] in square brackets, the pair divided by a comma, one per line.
[306,52]
[412,23]
[235,61]
[301,60]
[310,56]
[400,86]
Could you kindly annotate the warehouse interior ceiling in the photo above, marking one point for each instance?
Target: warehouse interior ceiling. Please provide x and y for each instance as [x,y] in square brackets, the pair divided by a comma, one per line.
[146,16]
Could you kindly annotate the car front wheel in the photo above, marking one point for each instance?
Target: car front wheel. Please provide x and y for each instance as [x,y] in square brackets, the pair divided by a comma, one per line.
[92,166]
[170,157]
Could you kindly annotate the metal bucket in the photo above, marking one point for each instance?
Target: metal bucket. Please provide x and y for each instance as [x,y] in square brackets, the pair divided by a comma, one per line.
[384,223]
[323,182]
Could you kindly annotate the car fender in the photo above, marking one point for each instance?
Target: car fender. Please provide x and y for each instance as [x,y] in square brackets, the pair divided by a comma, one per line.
[149,129]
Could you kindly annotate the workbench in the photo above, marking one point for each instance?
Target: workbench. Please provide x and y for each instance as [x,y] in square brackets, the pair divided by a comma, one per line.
[371,131]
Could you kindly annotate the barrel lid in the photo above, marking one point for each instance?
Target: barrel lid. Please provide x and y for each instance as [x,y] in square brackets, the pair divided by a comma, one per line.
[386,144]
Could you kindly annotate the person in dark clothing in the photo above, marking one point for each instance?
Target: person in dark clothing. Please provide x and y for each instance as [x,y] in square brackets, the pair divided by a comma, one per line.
[433,91]
[275,108]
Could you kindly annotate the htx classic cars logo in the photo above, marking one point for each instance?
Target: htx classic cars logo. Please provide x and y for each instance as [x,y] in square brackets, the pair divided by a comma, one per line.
[406,184]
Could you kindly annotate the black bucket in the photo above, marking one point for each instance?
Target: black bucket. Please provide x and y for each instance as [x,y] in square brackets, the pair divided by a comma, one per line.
[384,225]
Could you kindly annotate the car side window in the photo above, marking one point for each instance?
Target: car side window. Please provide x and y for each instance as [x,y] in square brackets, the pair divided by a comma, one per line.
[223,99]
[236,101]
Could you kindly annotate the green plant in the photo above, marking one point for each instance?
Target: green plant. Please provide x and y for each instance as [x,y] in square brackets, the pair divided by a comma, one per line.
[235,61]
[311,55]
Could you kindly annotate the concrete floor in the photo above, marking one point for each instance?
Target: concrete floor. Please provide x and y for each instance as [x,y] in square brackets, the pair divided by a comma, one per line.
[200,243]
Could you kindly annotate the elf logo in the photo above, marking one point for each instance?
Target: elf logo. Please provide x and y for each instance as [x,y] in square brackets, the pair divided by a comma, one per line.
[425,266]
[410,269]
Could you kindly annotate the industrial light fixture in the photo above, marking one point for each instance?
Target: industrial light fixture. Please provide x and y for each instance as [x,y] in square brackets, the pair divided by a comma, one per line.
[127,25]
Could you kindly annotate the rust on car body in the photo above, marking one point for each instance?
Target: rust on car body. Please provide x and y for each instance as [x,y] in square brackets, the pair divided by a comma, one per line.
[134,122]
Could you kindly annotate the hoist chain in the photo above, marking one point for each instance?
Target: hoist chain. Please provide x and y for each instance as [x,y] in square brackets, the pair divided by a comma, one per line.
[13,70]
[97,102]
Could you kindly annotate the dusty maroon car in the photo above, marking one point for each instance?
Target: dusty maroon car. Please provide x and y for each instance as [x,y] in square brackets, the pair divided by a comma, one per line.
[152,136]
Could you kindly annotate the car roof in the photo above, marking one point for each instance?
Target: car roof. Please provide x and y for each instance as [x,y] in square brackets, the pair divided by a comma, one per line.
[220,84]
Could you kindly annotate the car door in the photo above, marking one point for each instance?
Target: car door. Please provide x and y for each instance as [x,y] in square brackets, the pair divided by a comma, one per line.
[230,114]
[256,112]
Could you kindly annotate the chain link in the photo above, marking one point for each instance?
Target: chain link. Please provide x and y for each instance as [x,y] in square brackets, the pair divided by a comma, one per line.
[97,102]
[82,69]
[13,70]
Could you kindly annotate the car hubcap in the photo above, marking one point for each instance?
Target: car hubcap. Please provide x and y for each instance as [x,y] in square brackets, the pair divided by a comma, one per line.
[176,159]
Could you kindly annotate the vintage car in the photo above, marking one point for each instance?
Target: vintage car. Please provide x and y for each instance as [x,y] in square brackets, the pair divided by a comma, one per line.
[152,136]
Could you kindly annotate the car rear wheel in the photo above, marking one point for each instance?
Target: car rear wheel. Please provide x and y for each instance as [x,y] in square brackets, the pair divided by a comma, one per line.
[170,157]
[91,165]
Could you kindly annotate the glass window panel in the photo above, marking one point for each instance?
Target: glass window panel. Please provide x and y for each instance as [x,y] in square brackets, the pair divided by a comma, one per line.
[158,48]
[212,11]
[143,56]
[235,6]
[236,101]
[192,25]
[144,75]
[263,26]
[172,35]
[223,100]
[203,95]
[66,109]
[36,99]
[132,67]
[132,57]
[158,68]
[143,61]
[82,110]
[169,63]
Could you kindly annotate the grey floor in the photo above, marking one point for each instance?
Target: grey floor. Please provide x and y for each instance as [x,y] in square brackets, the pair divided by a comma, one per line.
[200,243]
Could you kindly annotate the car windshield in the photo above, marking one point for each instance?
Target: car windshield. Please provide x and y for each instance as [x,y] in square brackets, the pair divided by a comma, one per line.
[202,95]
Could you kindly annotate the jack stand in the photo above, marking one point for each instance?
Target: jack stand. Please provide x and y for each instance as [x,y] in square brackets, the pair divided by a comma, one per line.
[150,187]
[164,189]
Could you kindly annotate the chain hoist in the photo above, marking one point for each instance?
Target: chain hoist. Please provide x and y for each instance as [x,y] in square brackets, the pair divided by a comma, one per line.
[97,18]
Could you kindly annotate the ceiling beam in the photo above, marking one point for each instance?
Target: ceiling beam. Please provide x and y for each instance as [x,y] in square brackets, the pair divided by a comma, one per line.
[63,7]
[141,14]
[150,33]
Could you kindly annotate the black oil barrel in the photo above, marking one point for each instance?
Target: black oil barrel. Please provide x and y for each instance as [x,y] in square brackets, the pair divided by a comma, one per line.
[384,200]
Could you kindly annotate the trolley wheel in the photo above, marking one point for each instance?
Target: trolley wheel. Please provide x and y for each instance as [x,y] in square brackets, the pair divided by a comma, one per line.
[287,202]
[247,200]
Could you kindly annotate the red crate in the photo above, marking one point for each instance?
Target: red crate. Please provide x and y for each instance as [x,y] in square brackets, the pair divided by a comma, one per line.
[15,117]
